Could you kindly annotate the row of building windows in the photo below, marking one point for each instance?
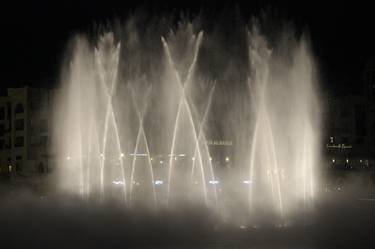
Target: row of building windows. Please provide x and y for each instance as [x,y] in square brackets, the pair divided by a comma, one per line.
[18,109]
[20,142]
[20,126]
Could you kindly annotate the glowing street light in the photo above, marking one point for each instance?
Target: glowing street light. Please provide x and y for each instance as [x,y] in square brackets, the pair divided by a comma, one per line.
[68,158]
[227,159]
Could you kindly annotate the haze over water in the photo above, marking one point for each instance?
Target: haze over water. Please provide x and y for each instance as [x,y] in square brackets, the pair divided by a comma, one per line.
[139,110]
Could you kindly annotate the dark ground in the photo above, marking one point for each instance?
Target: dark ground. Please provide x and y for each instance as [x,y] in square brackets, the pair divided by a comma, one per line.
[342,218]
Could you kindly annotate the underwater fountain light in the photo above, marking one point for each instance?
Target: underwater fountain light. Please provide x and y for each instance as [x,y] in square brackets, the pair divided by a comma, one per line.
[118,182]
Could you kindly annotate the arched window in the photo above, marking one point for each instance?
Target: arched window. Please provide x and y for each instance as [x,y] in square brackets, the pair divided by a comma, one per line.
[19,108]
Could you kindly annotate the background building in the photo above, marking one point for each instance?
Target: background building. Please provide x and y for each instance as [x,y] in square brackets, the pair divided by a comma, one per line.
[350,126]
[24,136]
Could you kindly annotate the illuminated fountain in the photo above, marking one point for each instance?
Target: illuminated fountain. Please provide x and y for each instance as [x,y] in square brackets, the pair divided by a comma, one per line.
[284,147]
[133,125]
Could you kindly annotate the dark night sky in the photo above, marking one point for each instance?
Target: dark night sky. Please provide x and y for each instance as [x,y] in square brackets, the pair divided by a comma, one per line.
[34,35]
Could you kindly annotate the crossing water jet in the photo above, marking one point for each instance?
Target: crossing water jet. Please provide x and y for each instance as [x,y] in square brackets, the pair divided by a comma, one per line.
[135,127]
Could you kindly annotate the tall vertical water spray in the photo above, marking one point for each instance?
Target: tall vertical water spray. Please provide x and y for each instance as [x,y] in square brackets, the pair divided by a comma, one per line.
[134,123]
[284,150]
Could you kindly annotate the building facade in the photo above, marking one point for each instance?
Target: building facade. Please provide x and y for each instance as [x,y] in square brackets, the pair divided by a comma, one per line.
[24,136]
[350,126]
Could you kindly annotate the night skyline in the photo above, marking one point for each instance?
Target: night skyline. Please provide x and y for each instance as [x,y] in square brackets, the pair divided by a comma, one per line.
[195,124]
[36,35]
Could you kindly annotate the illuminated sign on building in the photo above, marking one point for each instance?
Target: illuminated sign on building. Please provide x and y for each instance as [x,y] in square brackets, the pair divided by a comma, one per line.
[339,146]
[220,142]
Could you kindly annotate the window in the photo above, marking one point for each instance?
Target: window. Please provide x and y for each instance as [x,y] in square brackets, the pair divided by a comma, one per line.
[2,113]
[32,106]
[19,164]
[44,140]
[19,125]
[41,168]
[9,111]
[2,130]
[43,125]
[19,108]
[8,143]
[19,142]
[34,140]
